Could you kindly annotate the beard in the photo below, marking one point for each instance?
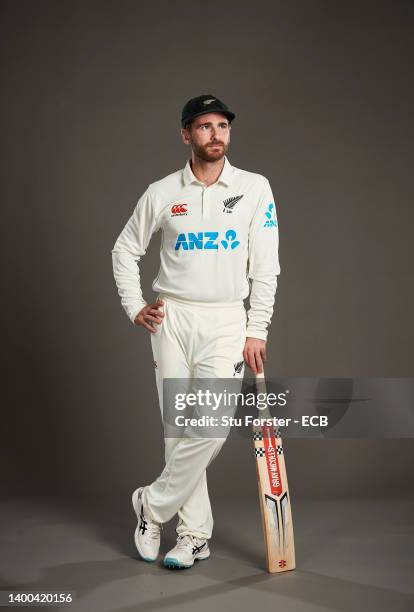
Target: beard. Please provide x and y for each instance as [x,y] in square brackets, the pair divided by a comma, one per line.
[210,152]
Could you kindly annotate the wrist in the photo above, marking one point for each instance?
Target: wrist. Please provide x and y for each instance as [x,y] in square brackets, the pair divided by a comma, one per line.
[258,334]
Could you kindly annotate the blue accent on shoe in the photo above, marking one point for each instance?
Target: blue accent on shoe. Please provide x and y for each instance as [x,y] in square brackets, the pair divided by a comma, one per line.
[174,563]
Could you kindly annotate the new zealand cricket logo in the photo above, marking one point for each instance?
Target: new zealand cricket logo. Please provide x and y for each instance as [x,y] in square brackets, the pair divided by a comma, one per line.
[238,367]
[230,203]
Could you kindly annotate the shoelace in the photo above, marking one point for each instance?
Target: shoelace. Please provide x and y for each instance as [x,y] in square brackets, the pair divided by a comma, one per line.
[154,529]
[185,541]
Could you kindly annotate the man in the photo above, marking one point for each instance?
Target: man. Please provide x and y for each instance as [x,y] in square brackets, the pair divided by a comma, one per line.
[219,240]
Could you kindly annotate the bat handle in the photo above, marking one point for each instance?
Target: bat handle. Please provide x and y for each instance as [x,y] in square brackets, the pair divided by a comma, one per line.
[260,375]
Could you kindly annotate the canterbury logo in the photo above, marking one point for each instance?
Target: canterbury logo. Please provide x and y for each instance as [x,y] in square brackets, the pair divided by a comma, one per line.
[178,209]
[230,203]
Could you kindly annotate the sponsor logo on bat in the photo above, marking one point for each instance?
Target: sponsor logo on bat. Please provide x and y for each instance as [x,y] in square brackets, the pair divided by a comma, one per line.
[272,461]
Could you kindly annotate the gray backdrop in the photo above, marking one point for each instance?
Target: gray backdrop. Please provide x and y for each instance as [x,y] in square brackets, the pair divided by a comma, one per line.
[92,93]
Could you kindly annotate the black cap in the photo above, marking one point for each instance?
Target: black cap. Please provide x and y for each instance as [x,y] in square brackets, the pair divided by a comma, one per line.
[202,105]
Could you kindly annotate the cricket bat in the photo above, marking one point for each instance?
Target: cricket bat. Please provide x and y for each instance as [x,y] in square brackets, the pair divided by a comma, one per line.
[274,494]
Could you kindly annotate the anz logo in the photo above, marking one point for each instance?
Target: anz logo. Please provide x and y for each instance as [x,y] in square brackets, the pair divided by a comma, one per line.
[206,241]
[270,215]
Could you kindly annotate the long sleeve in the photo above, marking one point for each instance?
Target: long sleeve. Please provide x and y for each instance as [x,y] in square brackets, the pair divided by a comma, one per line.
[130,246]
[263,264]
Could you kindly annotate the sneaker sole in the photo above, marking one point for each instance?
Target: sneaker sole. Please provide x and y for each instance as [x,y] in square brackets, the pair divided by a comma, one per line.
[173,563]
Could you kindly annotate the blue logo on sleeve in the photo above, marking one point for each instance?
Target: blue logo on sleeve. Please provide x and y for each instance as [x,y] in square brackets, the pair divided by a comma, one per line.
[270,215]
[206,241]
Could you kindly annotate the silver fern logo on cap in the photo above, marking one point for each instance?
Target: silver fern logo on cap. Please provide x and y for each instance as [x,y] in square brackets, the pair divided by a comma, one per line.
[209,101]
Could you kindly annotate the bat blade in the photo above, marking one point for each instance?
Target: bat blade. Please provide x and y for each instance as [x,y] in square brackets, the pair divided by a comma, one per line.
[274,496]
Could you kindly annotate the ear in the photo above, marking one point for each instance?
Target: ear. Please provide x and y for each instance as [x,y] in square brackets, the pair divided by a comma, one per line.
[185,135]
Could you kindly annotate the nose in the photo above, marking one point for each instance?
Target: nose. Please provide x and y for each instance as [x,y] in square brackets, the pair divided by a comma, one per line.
[214,136]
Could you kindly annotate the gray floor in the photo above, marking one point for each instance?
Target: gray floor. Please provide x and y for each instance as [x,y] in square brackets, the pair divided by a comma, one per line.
[351,555]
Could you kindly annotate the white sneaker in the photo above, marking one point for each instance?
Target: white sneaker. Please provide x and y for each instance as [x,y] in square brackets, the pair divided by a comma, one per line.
[186,551]
[147,533]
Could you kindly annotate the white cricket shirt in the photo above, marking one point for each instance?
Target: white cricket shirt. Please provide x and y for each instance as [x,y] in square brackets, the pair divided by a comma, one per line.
[214,239]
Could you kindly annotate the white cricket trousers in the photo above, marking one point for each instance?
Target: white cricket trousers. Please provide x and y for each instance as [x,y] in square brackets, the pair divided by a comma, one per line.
[195,340]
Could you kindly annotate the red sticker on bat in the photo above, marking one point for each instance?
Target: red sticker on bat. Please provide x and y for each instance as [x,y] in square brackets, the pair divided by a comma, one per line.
[273,470]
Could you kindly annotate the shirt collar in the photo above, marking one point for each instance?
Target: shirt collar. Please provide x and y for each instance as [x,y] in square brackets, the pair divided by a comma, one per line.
[225,177]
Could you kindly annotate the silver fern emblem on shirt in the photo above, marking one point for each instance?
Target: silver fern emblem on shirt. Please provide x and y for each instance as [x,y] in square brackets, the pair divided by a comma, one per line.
[230,203]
